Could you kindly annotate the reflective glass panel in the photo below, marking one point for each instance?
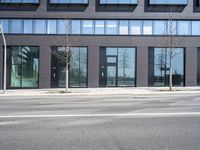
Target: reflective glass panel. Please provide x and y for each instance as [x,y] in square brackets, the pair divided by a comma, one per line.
[63,26]
[162,66]
[76,27]
[147,27]
[5,25]
[40,27]
[16,26]
[123,27]
[126,66]
[183,27]
[171,27]
[111,27]
[135,27]
[99,27]
[159,27]
[87,27]
[51,27]
[28,26]
[195,27]
[24,67]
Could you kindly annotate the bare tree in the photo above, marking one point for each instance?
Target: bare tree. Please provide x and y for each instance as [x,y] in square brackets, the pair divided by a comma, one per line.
[65,54]
[124,62]
[173,42]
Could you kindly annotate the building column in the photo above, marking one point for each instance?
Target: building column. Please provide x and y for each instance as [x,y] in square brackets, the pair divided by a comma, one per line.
[191,66]
[45,67]
[142,67]
[1,67]
[93,66]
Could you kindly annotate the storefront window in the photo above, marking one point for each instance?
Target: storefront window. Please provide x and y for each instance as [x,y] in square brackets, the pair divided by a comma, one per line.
[24,67]
[162,67]
[77,67]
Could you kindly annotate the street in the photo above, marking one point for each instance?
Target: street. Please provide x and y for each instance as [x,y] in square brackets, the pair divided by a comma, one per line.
[111,122]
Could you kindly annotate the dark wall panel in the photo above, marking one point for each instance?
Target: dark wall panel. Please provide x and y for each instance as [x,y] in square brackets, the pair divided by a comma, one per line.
[198,66]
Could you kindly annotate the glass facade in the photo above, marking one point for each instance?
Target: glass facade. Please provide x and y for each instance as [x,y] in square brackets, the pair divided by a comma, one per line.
[77,67]
[162,66]
[118,67]
[23,67]
[168,2]
[69,1]
[118,1]
[101,27]
[19,1]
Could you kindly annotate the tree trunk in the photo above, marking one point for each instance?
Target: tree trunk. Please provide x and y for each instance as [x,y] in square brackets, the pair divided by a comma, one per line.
[67,79]
[170,76]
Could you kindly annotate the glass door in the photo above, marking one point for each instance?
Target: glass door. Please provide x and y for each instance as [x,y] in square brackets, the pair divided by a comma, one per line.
[61,79]
[111,76]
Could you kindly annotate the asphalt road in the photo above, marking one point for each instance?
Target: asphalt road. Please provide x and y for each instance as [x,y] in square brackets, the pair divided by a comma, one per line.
[154,122]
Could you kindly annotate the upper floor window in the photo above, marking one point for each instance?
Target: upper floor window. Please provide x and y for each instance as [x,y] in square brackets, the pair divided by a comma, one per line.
[111,27]
[69,1]
[19,1]
[168,2]
[101,27]
[118,1]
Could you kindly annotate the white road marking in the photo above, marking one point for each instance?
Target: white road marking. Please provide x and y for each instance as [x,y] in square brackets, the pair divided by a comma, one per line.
[107,115]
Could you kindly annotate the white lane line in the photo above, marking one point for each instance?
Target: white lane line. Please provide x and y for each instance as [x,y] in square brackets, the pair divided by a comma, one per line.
[107,115]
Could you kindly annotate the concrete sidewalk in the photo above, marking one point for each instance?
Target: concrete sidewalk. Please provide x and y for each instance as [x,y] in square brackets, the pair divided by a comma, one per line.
[100,91]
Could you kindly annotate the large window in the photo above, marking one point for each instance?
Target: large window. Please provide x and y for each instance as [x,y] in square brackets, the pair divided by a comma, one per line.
[184,27]
[159,27]
[101,27]
[111,27]
[69,1]
[168,2]
[195,27]
[77,67]
[87,27]
[63,26]
[123,27]
[24,67]
[16,26]
[19,1]
[147,27]
[76,27]
[117,66]
[51,27]
[162,66]
[40,26]
[118,1]
[28,26]
[135,27]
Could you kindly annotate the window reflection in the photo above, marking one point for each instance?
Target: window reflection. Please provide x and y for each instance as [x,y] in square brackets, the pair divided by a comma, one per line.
[87,27]
[24,66]
[101,27]
[111,27]
[16,26]
[120,66]
[147,27]
[161,67]
[76,27]
[183,27]
[123,27]
[77,67]
[40,26]
[159,27]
